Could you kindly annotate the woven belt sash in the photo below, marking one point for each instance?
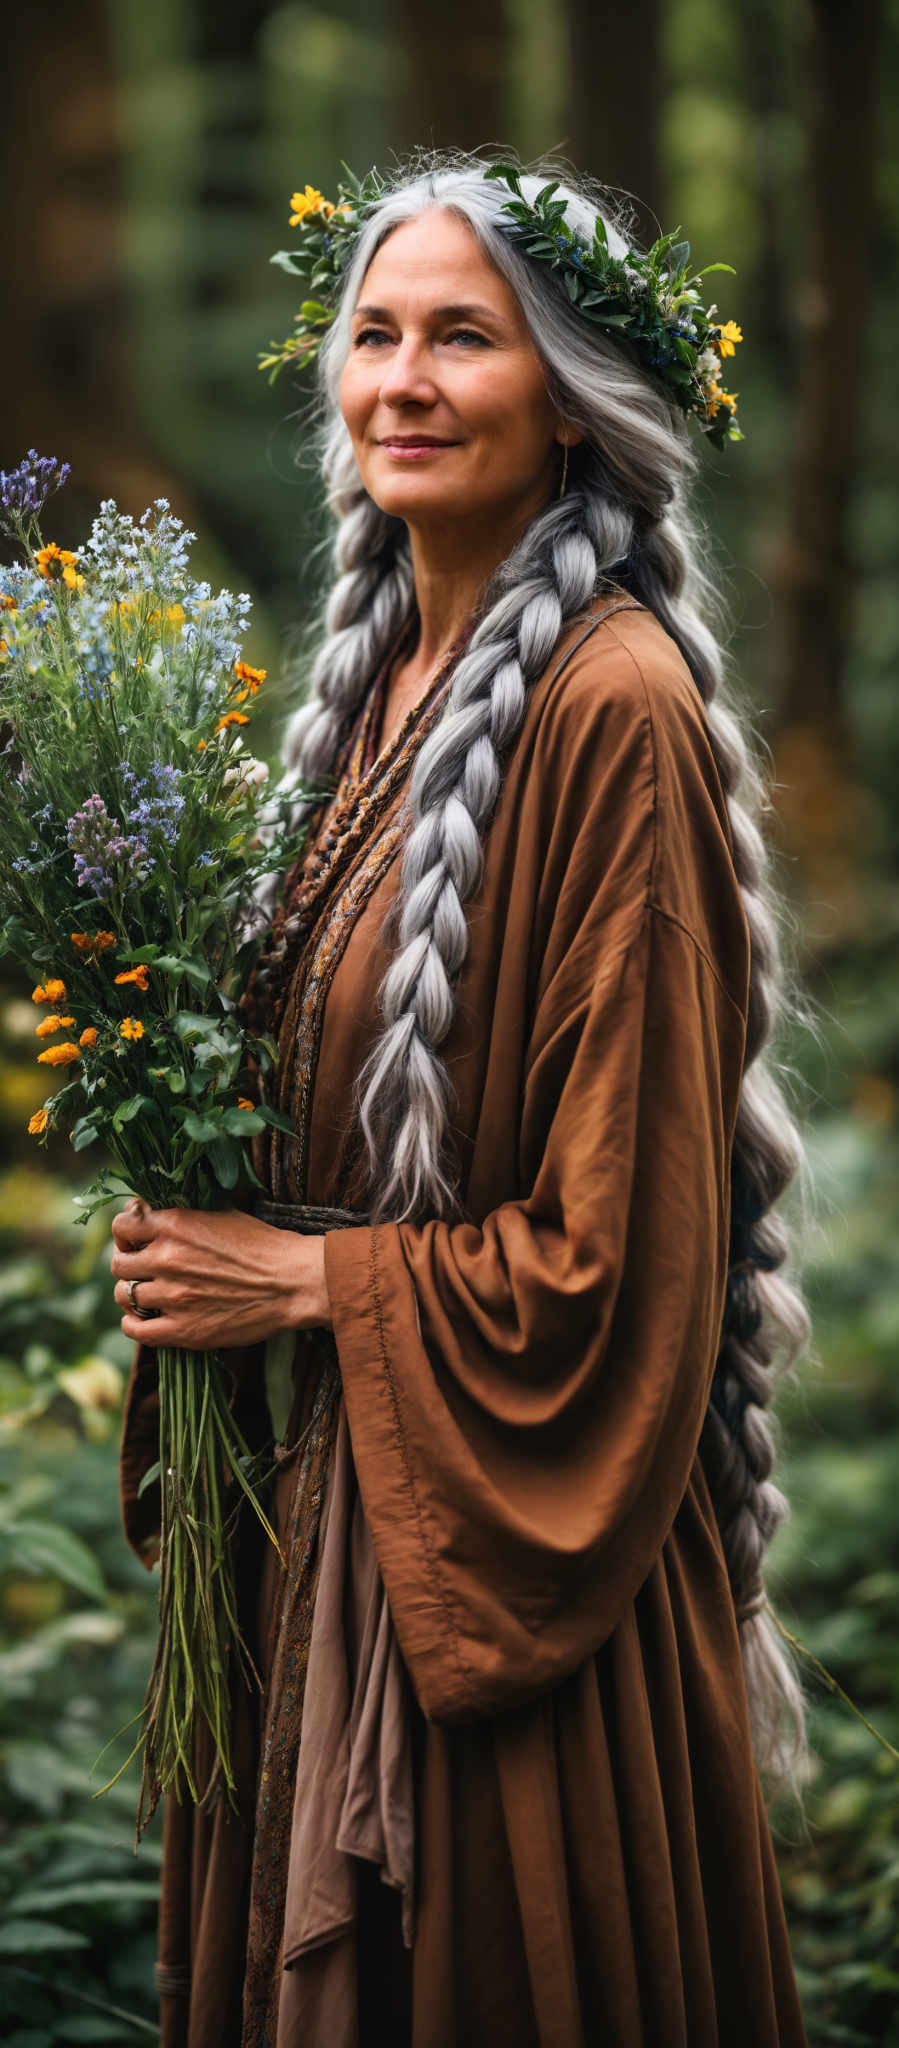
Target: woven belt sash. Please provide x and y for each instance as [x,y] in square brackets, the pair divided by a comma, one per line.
[308,1217]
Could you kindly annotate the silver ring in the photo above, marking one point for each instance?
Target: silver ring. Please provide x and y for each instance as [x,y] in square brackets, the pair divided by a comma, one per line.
[134,1304]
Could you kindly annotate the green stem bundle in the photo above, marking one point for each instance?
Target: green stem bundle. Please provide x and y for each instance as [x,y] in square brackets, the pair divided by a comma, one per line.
[205,1476]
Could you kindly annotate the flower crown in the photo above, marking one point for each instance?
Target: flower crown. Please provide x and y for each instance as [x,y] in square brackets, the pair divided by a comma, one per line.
[648,300]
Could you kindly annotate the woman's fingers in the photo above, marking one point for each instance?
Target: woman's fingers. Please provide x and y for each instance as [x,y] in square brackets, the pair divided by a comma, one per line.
[157,1330]
[133,1265]
[149,1294]
[134,1225]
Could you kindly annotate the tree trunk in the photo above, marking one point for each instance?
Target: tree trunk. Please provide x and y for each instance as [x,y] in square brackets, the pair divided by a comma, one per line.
[61,354]
[824,822]
[766,88]
[457,60]
[815,569]
[615,100]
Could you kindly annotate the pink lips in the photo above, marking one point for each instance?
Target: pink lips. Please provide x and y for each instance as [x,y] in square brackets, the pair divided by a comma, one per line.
[409,450]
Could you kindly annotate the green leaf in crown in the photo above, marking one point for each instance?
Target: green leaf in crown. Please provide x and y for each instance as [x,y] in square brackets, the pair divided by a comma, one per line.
[328,231]
[647,300]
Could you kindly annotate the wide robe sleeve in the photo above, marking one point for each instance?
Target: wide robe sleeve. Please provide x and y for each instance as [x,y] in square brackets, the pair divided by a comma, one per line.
[525,1394]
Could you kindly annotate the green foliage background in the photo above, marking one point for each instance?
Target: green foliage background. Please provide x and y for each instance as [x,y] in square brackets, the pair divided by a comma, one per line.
[161,172]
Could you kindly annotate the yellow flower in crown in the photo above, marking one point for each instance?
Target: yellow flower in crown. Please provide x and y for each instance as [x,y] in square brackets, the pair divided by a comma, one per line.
[132,1028]
[309,201]
[728,336]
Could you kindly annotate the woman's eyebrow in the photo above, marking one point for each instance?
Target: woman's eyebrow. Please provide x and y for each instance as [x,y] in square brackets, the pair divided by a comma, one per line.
[471,311]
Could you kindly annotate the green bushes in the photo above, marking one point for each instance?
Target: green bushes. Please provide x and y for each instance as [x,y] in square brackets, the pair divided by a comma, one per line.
[77,1909]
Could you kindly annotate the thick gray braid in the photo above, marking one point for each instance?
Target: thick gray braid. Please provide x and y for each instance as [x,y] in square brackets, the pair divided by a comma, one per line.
[371,599]
[765,1324]
[403,1090]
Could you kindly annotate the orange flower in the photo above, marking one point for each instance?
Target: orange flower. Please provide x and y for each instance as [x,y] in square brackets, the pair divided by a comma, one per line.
[92,942]
[51,1024]
[38,1123]
[201,746]
[53,562]
[49,992]
[139,975]
[59,1055]
[88,1036]
[232,718]
[132,1028]
[7,604]
[243,1102]
[253,677]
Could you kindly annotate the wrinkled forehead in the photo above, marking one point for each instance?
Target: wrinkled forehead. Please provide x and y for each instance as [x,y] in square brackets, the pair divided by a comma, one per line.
[434,260]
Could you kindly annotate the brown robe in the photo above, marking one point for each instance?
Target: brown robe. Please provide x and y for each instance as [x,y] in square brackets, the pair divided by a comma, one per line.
[525,1391]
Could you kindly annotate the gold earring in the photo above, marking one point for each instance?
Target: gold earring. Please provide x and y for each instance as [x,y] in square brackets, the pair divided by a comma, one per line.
[564,481]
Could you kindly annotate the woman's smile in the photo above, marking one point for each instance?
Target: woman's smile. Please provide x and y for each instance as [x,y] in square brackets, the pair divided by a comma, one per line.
[414,447]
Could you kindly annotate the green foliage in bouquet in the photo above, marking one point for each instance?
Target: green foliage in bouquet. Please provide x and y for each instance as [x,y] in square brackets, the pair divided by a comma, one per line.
[135,832]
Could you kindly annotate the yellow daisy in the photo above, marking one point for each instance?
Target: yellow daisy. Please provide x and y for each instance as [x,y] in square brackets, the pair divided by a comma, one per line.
[309,201]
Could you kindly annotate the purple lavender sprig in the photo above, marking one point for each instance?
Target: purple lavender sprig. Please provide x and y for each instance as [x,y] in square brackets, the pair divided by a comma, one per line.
[104,859]
[25,490]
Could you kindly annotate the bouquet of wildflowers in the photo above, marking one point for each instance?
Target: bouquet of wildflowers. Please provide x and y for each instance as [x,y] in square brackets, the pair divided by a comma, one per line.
[135,831]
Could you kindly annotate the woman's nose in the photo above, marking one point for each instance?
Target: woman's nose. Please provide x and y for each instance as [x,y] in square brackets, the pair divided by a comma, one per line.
[407,376]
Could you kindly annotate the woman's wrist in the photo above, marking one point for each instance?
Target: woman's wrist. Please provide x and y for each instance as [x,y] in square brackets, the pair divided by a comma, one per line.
[306,1301]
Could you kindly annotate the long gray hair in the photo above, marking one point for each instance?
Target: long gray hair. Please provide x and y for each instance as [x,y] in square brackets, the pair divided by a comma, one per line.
[624,517]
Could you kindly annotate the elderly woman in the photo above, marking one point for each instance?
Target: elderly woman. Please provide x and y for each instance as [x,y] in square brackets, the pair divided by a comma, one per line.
[502,1785]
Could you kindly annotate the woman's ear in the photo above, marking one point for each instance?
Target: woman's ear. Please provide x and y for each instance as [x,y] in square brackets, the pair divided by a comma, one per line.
[567,434]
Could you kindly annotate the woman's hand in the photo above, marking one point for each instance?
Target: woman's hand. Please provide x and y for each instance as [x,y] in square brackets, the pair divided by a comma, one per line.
[217,1278]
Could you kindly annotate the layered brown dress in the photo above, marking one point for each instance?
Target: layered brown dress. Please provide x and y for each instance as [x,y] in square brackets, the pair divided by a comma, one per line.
[524,1391]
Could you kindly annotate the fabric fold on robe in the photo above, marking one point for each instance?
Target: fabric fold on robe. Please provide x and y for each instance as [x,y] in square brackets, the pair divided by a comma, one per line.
[354,1794]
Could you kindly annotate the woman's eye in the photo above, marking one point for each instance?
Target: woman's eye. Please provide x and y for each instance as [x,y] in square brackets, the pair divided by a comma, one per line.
[368,337]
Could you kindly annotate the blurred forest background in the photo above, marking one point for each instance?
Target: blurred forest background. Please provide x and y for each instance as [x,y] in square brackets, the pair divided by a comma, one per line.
[148,156]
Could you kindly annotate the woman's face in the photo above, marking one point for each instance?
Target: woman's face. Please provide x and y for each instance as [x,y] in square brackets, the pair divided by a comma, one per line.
[443,391]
